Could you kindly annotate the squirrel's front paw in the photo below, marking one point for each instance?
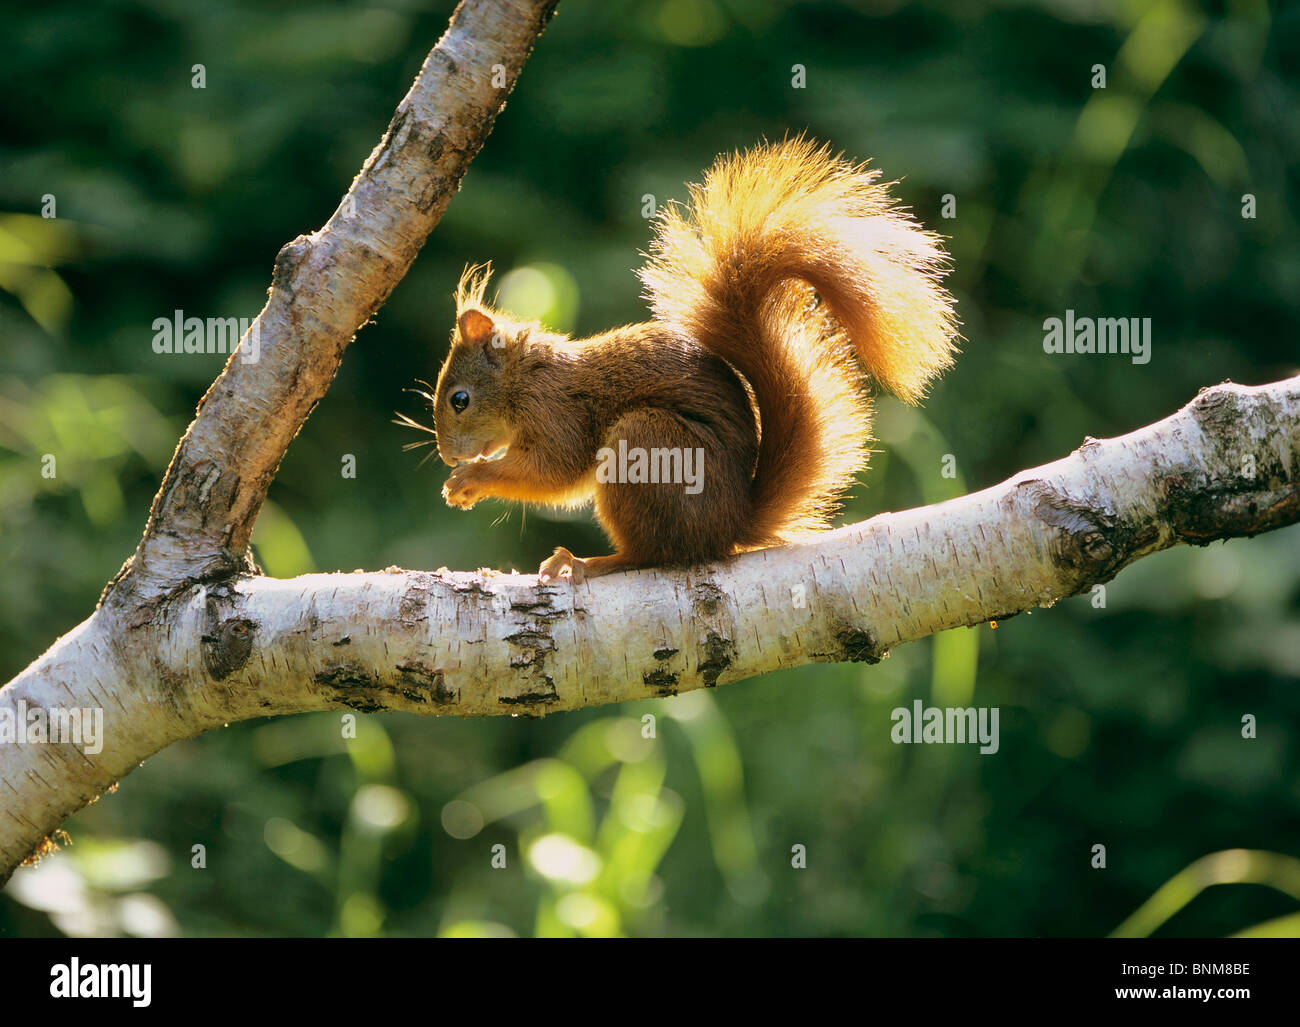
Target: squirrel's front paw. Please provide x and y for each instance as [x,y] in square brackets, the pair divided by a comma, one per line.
[465,486]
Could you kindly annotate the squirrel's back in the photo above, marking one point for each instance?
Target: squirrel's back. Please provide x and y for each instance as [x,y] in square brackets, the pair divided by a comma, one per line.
[786,263]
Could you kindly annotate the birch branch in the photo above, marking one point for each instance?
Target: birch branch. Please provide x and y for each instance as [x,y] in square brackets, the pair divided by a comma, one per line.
[1226,465]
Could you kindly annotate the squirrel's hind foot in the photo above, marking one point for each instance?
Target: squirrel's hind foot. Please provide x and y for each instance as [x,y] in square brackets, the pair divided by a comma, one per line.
[563,564]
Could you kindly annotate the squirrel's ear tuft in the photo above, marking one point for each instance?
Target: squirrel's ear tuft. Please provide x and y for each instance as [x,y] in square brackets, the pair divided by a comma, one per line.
[476,327]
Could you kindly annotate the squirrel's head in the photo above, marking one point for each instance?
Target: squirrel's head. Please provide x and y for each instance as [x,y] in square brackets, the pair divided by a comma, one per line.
[471,400]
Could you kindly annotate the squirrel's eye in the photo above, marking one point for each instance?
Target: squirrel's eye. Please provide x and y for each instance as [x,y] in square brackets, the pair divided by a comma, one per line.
[459,400]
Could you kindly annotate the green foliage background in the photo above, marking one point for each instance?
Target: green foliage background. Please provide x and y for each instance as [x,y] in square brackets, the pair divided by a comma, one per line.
[1121,725]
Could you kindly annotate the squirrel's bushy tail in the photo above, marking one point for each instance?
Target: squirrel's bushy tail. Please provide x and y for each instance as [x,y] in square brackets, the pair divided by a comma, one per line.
[733,271]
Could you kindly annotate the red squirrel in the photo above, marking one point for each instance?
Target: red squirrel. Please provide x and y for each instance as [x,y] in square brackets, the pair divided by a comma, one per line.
[736,418]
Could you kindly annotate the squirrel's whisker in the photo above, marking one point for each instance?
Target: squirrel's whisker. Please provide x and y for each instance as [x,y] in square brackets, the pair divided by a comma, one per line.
[405,422]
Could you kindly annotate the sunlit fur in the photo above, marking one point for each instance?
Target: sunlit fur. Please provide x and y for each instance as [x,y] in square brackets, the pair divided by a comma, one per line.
[471,287]
[728,272]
